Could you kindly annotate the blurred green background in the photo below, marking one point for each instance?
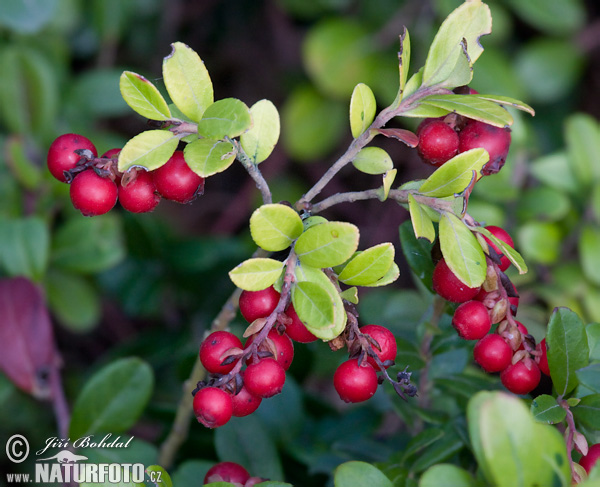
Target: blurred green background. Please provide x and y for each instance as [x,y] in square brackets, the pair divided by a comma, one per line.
[149,285]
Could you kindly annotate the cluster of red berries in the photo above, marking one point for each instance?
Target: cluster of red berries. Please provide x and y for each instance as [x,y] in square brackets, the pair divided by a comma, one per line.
[235,392]
[510,350]
[440,139]
[96,183]
[231,472]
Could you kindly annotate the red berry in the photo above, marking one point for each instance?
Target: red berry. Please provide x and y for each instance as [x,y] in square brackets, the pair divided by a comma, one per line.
[520,378]
[543,358]
[212,349]
[91,194]
[245,403]
[472,320]
[61,155]
[438,142]
[176,181]
[503,236]
[283,345]
[213,407]
[355,383]
[426,122]
[450,287]
[111,153]
[296,329]
[227,472]
[139,196]
[495,140]
[258,304]
[264,378]
[591,459]
[492,353]
[386,340]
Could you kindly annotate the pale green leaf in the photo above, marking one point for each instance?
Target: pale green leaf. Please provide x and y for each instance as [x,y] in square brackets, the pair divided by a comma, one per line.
[390,276]
[545,409]
[207,157]
[362,109]
[403,61]
[328,244]
[589,252]
[143,97]
[350,295]
[446,474]
[388,179]
[422,224]
[472,107]
[507,101]
[187,81]
[506,249]
[313,305]
[373,160]
[150,149]
[256,274]
[159,476]
[274,227]
[229,117]
[360,474]
[582,133]
[456,174]
[462,251]
[369,266]
[457,45]
[259,141]
[312,221]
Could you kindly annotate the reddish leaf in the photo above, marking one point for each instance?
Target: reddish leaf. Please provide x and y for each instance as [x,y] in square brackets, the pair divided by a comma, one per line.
[406,136]
[27,349]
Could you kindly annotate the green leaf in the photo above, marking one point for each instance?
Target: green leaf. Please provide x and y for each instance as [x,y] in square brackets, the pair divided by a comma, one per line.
[259,141]
[328,244]
[472,107]
[305,273]
[187,81]
[443,449]
[359,474]
[456,174]
[456,45]
[422,224]
[256,274]
[593,333]
[24,245]
[274,227]
[417,253]
[390,276]
[446,474]
[369,266]
[229,117]
[350,295]
[589,255]
[143,97]
[246,441]
[511,448]
[545,409]
[403,62]
[28,17]
[590,377]
[507,101]
[113,399]
[373,160]
[555,171]
[462,251]
[312,221]
[88,245]
[207,157]
[150,149]
[25,170]
[388,179]
[157,472]
[557,18]
[567,349]
[587,412]
[362,109]
[314,305]
[73,300]
[506,249]
[540,241]
[582,134]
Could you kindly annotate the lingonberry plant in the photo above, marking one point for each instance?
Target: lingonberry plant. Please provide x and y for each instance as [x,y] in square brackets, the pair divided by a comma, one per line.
[302,284]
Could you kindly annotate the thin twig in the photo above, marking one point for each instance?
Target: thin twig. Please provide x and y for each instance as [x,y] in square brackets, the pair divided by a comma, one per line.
[253,171]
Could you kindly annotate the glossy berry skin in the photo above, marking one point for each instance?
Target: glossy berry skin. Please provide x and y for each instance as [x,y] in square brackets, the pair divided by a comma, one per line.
[283,344]
[296,329]
[449,287]
[543,358]
[139,196]
[91,194]
[212,407]
[495,140]
[471,320]
[591,459]
[520,379]
[244,403]
[386,340]
[492,353]
[264,378]
[258,304]
[212,349]
[111,153]
[355,383]
[226,472]
[61,155]
[502,235]
[438,142]
[175,180]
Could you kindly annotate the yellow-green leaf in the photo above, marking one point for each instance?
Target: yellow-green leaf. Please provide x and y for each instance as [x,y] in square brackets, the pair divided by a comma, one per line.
[143,97]
[368,266]
[256,274]
[327,244]
[422,224]
[150,149]
[362,109]
[274,227]
[260,140]
[207,157]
